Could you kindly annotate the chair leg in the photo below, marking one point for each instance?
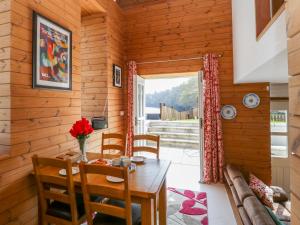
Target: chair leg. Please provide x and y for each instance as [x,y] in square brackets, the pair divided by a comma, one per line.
[155,210]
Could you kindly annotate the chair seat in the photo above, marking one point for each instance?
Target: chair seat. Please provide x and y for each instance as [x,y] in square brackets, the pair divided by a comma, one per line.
[102,219]
[63,211]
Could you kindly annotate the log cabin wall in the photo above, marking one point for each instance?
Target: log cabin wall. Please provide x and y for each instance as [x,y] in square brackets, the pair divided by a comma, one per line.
[41,119]
[93,54]
[5,31]
[183,29]
[106,34]
[294,104]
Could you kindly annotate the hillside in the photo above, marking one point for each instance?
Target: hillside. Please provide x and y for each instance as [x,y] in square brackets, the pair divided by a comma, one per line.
[182,97]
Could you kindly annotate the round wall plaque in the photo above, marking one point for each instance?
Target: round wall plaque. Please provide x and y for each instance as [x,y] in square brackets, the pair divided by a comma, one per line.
[251,100]
[228,112]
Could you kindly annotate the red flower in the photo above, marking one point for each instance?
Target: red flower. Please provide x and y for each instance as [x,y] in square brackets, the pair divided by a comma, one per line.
[81,129]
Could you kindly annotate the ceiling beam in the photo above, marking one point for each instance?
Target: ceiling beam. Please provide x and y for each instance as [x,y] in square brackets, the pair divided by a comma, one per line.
[89,7]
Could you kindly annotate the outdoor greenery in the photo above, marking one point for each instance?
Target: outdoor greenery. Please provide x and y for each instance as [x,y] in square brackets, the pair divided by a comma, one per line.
[183,97]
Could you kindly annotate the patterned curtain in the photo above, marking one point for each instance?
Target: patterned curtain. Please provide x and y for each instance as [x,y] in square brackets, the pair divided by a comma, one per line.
[132,71]
[213,142]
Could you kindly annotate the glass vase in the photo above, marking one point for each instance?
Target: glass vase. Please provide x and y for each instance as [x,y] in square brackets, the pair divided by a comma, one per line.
[82,146]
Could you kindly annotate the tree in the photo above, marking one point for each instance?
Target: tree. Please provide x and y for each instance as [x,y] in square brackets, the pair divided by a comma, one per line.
[183,97]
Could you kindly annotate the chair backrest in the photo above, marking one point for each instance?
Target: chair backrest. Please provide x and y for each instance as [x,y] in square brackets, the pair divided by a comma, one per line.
[94,183]
[115,142]
[145,138]
[48,185]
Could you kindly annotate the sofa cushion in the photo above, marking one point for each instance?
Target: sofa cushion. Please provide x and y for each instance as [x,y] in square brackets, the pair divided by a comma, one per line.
[281,212]
[279,195]
[274,217]
[244,216]
[235,196]
[257,212]
[287,205]
[262,191]
[242,188]
[229,181]
[233,172]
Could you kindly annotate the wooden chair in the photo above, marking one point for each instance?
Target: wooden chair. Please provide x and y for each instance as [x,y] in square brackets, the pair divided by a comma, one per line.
[146,138]
[57,198]
[155,150]
[116,211]
[118,144]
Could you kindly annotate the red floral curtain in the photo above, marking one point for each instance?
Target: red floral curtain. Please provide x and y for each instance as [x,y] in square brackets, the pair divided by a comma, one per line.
[132,71]
[213,142]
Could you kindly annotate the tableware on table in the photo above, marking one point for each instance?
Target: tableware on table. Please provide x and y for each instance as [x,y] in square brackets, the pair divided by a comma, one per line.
[132,167]
[125,161]
[137,159]
[63,172]
[114,179]
[228,112]
[116,162]
[251,100]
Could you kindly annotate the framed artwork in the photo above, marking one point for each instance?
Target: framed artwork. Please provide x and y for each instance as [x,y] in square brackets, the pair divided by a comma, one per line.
[117,76]
[51,54]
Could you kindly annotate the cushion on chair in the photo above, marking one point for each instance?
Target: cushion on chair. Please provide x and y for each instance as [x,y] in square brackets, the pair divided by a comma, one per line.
[63,211]
[102,219]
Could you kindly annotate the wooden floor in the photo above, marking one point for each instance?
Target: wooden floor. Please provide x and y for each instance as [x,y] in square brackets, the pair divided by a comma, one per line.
[219,207]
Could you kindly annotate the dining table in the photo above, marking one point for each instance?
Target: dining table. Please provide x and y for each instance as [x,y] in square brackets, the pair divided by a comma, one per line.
[147,184]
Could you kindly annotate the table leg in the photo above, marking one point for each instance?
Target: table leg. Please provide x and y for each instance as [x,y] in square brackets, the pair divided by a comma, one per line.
[147,211]
[162,208]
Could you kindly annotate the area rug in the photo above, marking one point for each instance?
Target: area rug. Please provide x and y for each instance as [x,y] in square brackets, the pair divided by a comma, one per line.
[187,207]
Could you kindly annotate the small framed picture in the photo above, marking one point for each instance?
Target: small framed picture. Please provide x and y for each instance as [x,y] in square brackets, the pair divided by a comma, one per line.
[51,54]
[117,76]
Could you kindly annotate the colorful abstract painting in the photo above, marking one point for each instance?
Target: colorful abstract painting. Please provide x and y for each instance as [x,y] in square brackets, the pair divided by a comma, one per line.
[186,207]
[52,54]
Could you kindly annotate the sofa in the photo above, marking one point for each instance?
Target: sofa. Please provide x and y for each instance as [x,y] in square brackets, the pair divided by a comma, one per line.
[251,210]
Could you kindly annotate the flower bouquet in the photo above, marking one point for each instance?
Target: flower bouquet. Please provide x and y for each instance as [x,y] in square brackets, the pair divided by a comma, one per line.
[81,130]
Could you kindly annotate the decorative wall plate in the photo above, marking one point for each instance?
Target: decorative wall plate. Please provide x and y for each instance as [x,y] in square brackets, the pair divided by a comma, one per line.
[251,100]
[228,112]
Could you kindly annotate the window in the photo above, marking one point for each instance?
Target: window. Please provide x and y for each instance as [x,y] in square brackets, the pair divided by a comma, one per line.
[279,132]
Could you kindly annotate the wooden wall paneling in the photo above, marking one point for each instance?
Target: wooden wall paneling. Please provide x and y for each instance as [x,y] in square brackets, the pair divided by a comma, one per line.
[5,90]
[183,29]
[93,46]
[263,15]
[39,119]
[293,9]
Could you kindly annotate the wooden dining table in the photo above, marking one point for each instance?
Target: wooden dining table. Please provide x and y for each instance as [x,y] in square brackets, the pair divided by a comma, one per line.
[147,183]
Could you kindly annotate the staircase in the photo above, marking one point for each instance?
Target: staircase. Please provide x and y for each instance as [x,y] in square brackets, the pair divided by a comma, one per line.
[176,134]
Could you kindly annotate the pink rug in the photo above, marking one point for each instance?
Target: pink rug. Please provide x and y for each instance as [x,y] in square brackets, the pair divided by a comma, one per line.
[187,207]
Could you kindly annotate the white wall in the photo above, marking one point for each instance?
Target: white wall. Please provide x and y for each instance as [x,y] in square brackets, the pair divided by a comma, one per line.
[264,60]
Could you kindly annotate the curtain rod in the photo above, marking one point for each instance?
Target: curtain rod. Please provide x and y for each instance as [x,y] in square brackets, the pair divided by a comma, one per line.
[174,60]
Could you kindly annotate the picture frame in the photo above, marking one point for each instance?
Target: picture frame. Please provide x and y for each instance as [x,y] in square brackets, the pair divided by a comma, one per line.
[117,76]
[51,54]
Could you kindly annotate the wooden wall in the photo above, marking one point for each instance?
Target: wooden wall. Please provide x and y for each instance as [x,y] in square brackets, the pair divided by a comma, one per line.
[294,104]
[104,32]
[93,54]
[5,30]
[41,119]
[183,29]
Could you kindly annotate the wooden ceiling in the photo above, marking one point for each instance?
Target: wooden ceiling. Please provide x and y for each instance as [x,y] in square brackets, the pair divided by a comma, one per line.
[89,7]
[131,3]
